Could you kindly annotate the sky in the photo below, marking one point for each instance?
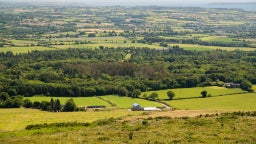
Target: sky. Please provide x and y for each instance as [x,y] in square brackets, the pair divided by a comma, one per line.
[135,2]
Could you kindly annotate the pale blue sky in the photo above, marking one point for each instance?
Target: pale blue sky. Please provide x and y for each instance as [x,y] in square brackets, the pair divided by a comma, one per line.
[136,2]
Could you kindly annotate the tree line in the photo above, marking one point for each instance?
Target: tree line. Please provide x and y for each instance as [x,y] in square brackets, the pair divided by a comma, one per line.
[7,101]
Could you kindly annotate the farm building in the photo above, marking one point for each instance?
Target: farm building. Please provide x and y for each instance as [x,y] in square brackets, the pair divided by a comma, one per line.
[137,107]
[231,85]
[151,109]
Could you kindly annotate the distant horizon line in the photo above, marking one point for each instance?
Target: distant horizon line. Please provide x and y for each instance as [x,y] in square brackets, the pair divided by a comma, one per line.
[76,3]
[233,3]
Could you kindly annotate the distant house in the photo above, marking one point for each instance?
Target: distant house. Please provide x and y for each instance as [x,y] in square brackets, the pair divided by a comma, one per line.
[231,85]
[137,107]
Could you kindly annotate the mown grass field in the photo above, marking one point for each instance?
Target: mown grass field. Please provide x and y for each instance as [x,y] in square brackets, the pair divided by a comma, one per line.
[18,118]
[182,93]
[228,102]
[127,102]
[79,101]
[224,128]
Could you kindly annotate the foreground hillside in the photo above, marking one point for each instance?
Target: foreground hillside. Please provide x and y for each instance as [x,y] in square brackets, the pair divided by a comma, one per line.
[217,128]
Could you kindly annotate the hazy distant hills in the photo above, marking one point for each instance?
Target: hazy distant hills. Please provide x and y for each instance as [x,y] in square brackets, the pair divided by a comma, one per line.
[249,6]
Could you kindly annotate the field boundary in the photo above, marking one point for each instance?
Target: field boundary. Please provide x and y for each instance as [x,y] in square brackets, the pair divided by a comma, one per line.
[108,101]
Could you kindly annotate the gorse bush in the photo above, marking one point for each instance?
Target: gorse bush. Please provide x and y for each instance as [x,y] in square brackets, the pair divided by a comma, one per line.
[56,125]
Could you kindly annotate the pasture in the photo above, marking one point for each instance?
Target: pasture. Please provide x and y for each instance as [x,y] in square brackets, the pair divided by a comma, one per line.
[109,45]
[18,118]
[206,48]
[24,49]
[120,102]
[218,39]
[22,42]
[186,93]
[126,102]
[228,102]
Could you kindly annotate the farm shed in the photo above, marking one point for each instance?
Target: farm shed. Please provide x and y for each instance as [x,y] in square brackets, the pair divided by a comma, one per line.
[137,107]
[151,109]
[231,85]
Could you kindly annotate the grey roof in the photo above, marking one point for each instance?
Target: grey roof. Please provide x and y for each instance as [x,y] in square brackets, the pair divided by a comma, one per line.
[135,105]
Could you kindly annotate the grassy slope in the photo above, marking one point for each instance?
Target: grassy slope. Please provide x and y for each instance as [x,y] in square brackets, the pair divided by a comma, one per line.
[126,102]
[195,92]
[230,102]
[19,118]
[214,129]
[121,102]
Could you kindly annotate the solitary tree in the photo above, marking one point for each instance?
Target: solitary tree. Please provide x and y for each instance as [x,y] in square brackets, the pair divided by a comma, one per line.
[27,103]
[36,104]
[44,106]
[69,106]
[204,93]
[52,105]
[57,105]
[153,96]
[136,93]
[171,94]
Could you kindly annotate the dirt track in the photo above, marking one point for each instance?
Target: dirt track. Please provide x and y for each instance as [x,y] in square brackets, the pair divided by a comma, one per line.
[175,113]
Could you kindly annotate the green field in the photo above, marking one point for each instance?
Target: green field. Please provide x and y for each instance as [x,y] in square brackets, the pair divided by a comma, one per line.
[17,50]
[221,128]
[229,102]
[79,101]
[18,118]
[205,48]
[120,102]
[109,45]
[126,102]
[217,39]
[22,42]
[91,39]
[196,92]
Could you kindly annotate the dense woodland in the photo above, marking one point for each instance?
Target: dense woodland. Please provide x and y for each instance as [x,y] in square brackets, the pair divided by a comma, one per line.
[86,72]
